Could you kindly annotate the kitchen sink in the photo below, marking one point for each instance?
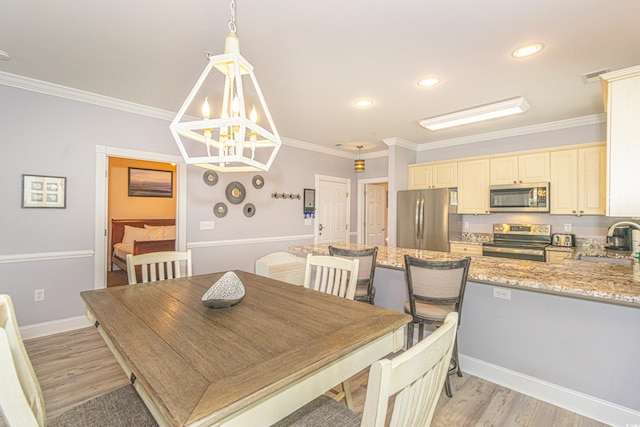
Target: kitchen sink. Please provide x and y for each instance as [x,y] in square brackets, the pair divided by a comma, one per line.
[624,261]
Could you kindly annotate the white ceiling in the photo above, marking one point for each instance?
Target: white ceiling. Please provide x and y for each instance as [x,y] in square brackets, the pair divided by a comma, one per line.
[314,58]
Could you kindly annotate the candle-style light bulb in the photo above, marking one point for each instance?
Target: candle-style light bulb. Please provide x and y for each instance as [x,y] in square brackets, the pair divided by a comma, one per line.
[206,110]
[253,115]
[235,105]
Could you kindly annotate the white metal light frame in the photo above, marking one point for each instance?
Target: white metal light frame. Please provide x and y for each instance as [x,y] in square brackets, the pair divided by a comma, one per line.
[486,112]
[224,140]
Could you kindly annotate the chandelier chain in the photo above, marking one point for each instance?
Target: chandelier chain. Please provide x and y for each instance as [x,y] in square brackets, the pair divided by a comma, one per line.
[232,18]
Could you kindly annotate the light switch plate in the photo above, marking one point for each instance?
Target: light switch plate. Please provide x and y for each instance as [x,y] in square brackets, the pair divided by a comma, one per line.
[206,225]
[567,227]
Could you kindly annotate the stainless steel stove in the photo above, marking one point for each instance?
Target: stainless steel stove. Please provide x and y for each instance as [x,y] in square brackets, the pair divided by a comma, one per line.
[519,241]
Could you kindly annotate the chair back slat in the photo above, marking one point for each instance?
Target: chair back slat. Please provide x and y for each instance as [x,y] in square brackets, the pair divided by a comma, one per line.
[333,275]
[21,397]
[158,266]
[417,376]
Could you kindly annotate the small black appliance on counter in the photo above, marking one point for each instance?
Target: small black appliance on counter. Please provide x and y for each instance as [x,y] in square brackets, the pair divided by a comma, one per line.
[620,240]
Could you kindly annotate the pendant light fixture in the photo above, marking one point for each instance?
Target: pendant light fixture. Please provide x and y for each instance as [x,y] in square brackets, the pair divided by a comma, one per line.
[223,136]
[358,165]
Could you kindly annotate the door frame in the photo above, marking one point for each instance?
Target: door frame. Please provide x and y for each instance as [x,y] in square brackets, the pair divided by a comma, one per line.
[362,206]
[316,223]
[101,227]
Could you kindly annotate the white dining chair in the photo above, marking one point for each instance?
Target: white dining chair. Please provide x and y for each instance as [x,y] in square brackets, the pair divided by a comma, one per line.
[158,266]
[335,276]
[416,375]
[21,398]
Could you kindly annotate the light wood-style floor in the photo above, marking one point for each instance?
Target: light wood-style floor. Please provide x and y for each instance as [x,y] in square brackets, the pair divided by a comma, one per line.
[76,366]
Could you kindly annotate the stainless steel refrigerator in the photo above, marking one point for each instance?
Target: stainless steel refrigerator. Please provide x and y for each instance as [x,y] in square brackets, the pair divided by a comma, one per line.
[428,219]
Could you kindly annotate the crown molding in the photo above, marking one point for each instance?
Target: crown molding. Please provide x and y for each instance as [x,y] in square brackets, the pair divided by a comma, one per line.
[66,92]
[508,133]
[401,143]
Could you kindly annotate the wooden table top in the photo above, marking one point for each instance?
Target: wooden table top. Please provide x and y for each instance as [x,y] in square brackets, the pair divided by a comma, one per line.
[196,362]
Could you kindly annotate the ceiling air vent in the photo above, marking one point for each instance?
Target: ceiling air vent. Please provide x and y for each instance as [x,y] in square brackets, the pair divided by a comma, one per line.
[593,76]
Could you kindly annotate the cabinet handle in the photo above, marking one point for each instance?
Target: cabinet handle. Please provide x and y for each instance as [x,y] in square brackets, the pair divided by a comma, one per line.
[573,211]
[581,211]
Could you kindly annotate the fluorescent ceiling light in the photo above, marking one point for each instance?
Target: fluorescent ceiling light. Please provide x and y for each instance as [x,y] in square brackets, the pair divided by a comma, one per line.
[485,112]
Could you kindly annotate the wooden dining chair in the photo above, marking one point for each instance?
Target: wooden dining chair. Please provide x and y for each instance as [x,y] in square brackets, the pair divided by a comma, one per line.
[21,398]
[365,291]
[336,276]
[157,266]
[416,375]
[435,289]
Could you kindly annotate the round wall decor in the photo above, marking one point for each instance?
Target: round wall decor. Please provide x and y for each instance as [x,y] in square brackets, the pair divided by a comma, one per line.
[220,210]
[257,181]
[210,177]
[249,210]
[235,192]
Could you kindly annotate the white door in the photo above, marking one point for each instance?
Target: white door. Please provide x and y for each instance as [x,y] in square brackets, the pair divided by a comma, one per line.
[376,208]
[332,210]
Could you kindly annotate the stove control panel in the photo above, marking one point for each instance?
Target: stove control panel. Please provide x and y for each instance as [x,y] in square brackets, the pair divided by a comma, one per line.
[528,229]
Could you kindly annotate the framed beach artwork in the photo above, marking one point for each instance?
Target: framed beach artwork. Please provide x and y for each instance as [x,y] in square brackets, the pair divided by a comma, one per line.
[150,183]
[40,191]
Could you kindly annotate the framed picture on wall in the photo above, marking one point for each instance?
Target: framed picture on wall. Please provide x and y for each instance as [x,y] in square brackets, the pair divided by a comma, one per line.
[40,191]
[150,183]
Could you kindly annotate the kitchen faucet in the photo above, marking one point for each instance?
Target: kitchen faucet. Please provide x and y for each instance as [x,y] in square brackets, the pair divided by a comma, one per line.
[629,223]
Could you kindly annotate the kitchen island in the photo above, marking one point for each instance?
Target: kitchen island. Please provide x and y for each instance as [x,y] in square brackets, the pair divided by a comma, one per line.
[566,333]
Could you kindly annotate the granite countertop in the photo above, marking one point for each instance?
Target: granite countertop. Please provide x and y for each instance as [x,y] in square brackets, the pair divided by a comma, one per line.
[613,283]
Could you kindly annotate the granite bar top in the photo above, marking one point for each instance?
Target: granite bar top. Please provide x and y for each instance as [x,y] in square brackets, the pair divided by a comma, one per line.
[612,283]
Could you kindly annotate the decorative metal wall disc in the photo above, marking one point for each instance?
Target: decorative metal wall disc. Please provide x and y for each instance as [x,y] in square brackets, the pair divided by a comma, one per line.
[249,210]
[258,181]
[220,210]
[235,192]
[210,177]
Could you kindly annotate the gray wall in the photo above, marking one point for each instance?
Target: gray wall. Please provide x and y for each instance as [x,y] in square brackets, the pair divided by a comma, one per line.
[62,142]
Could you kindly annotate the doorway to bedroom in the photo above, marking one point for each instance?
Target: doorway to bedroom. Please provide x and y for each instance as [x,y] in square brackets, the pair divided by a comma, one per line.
[140,193]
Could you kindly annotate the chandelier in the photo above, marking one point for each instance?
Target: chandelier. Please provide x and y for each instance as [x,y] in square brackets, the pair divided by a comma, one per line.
[227,138]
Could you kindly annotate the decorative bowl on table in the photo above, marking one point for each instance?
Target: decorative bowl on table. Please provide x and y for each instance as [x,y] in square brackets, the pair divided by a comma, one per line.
[227,291]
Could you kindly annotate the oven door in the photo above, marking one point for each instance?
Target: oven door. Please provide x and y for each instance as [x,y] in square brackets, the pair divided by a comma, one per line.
[514,252]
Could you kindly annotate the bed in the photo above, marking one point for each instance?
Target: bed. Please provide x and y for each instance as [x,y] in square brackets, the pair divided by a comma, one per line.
[140,236]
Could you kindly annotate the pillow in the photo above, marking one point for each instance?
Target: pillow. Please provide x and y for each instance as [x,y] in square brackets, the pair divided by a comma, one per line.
[135,233]
[162,232]
[169,232]
[155,231]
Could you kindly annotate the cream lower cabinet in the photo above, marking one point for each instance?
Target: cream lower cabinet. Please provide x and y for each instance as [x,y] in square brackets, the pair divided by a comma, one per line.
[465,248]
[433,175]
[554,257]
[473,187]
[520,169]
[578,181]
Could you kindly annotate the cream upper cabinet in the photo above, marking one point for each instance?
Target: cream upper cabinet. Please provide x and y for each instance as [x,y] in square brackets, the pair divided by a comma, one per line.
[473,187]
[621,92]
[433,175]
[578,181]
[520,169]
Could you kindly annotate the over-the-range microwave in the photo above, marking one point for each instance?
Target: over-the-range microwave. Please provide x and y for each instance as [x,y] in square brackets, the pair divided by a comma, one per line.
[531,197]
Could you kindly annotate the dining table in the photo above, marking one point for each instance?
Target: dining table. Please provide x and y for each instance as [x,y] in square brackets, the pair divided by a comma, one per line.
[250,364]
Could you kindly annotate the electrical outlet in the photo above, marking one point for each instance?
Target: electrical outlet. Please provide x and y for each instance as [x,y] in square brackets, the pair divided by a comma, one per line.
[502,293]
[567,227]
[466,225]
[206,225]
[38,295]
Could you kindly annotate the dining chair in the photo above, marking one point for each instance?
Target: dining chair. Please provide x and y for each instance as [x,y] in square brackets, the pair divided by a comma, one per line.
[365,291]
[336,276]
[157,266]
[416,375]
[21,398]
[435,289]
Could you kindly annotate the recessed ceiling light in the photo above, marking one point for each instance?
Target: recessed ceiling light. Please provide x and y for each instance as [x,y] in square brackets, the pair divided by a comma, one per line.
[527,50]
[4,56]
[363,103]
[428,81]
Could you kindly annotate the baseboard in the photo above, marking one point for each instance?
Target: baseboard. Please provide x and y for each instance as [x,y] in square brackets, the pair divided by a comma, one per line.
[574,401]
[53,327]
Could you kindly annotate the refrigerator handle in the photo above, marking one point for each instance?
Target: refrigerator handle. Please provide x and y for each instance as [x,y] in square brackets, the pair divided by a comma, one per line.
[422,218]
[416,220]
